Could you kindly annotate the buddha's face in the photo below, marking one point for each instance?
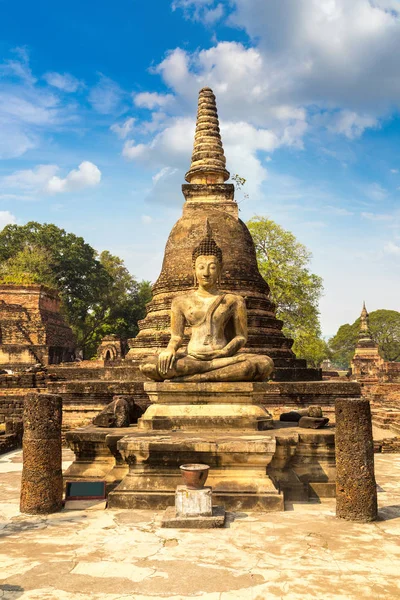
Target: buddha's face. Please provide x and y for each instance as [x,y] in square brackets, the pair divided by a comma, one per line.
[207,270]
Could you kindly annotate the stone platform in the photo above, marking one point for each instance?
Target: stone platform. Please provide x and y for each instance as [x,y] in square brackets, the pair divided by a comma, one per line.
[255,463]
[301,465]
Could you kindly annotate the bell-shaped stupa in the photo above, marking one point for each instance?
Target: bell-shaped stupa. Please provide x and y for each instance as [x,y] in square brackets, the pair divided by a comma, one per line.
[207,196]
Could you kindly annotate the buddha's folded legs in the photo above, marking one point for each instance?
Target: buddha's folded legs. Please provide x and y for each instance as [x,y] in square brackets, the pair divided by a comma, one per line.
[241,367]
[185,365]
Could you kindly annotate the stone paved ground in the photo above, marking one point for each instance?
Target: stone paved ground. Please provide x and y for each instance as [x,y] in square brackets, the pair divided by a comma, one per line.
[302,553]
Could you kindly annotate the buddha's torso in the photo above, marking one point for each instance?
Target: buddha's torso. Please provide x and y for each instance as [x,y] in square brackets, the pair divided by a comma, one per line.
[208,330]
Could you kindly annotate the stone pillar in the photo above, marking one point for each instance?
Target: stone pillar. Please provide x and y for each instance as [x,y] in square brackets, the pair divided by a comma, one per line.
[42,482]
[356,498]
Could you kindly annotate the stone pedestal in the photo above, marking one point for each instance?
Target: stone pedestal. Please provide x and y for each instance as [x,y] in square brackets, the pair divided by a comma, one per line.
[204,406]
[41,483]
[217,424]
[193,510]
[191,503]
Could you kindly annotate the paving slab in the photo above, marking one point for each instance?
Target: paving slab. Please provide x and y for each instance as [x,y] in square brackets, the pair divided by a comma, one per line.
[303,553]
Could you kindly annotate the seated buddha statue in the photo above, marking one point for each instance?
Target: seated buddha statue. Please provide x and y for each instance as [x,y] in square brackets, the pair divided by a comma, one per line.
[218,323]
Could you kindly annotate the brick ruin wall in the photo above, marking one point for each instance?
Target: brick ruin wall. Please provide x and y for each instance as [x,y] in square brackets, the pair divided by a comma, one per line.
[32,328]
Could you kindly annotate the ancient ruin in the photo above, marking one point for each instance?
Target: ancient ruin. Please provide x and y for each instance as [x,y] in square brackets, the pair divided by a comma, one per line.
[209,342]
[380,381]
[110,348]
[32,328]
[367,363]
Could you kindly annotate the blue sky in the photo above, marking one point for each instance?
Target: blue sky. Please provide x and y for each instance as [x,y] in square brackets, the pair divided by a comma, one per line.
[97,112]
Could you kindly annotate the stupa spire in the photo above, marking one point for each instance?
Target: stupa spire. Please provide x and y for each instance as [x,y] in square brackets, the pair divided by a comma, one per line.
[364,324]
[208,159]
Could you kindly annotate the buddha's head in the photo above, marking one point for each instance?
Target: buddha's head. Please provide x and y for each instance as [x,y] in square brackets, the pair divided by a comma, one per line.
[207,261]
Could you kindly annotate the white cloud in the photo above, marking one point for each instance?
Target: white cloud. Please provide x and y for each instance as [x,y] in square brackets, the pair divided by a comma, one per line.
[375,217]
[18,67]
[14,142]
[152,100]
[43,178]
[86,175]
[171,147]
[124,129]
[330,54]
[375,191]
[146,219]
[166,171]
[30,179]
[106,96]
[6,218]
[207,11]
[351,124]
[392,248]
[340,212]
[64,82]
[394,171]
[27,109]
[16,197]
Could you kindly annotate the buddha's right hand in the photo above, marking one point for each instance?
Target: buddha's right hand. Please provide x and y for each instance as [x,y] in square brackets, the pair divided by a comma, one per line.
[166,360]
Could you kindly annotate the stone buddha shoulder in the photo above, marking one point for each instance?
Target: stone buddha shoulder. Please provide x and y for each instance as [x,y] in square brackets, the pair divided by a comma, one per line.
[218,323]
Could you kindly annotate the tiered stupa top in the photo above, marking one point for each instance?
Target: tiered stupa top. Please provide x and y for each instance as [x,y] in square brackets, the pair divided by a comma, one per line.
[208,159]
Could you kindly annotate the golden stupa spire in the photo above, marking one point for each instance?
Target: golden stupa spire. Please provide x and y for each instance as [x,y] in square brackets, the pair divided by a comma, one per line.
[208,159]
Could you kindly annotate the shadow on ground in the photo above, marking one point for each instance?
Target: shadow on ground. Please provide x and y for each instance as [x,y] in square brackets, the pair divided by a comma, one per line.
[387,513]
[10,592]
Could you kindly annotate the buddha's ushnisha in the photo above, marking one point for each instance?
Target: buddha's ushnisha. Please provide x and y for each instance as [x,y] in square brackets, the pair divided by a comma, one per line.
[219,330]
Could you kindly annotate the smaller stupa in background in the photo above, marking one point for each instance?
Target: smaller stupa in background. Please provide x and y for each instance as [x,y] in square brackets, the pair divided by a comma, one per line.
[366,363]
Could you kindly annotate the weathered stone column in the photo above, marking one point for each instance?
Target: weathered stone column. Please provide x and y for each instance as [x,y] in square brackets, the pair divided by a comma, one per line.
[42,483]
[356,498]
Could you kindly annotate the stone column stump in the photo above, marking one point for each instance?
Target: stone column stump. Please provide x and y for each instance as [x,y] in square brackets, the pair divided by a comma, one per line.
[42,482]
[356,498]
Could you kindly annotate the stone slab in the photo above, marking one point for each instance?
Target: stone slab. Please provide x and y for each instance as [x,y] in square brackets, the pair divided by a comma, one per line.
[205,393]
[93,457]
[172,520]
[85,505]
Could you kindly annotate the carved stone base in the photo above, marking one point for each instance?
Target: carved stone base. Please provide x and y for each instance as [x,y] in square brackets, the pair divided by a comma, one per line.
[237,469]
[204,406]
[302,465]
[96,455]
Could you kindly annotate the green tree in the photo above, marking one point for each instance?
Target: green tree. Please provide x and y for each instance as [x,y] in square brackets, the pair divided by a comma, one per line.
[384,327]
[119,306]
[28,266]
[98,294]
[284,263]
